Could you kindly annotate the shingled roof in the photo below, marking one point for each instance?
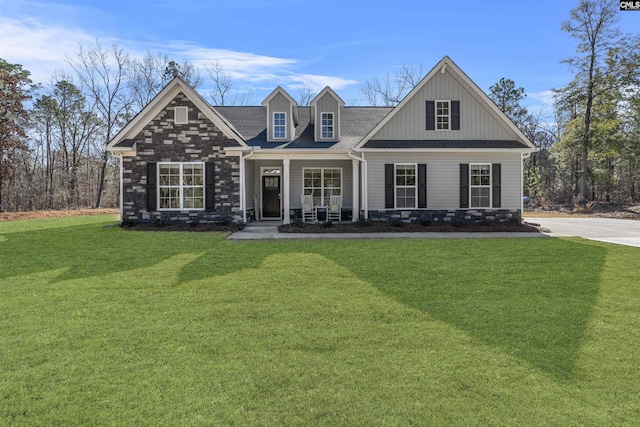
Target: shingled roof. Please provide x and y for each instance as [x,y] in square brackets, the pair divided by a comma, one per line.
[355,123]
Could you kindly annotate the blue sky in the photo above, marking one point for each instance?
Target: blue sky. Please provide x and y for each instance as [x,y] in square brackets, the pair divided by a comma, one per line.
[293,43]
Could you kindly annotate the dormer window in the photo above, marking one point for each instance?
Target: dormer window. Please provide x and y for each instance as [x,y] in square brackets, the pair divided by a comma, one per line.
[279,125]
[442,115]
[327,126]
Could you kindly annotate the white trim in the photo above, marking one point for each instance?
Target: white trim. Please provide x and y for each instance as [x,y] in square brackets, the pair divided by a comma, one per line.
[456,71]
[414,186]
[482,186]
[322,188]
[445,150]
[333,126]
[160,102]
[260,186]
[322,93]
[273,126]
[436,115]
[181,118]
[181,186]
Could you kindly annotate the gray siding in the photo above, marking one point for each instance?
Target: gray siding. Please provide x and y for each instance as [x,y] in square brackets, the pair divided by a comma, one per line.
[477,121]
[280,104]
[249,174]
[327,104]
[443,176]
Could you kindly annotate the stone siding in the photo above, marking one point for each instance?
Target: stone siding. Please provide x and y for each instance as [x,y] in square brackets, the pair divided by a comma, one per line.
[470,215]
[198,141]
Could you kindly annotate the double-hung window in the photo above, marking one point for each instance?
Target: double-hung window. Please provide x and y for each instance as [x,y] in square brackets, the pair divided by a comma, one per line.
[322,183]
[279,125]
[443,113]
[181,185]
[480,185]
[327,126]
[405,186]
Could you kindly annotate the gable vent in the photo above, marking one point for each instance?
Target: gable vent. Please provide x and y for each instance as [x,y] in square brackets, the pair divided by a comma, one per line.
[181,115]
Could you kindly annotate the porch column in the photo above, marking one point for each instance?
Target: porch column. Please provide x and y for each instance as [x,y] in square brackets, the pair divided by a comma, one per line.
[285,191]
[355,170]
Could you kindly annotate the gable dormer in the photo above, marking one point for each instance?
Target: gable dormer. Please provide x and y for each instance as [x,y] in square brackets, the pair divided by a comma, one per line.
[325,115]
[282,116]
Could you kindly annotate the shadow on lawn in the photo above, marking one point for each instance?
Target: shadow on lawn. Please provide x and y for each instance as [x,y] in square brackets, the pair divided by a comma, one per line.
[534,305]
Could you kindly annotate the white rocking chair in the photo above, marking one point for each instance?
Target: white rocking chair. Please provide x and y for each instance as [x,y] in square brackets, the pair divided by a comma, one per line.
[308,212]
[333,213]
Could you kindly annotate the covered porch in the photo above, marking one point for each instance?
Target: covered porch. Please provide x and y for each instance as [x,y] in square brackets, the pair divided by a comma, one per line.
[273,185]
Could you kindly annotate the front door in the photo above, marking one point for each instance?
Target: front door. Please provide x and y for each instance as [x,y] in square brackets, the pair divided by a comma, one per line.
[271,196]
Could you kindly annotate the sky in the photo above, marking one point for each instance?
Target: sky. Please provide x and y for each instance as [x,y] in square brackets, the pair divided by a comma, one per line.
[296,43]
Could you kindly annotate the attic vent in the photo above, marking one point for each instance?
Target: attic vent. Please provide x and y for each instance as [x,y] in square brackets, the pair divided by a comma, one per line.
[181,115]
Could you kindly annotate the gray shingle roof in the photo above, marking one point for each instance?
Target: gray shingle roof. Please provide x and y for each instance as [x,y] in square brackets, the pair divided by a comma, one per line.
[442,144]
[355,122]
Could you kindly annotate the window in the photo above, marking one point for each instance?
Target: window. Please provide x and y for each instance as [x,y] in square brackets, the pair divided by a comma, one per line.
[442,115]
[181,115]
[480,185]
[327,126]
[322,183]
[279,126]
[405,186]
[181,185]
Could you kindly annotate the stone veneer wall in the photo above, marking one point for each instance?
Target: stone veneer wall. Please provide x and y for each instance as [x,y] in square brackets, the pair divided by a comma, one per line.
[198,141]
[467,215]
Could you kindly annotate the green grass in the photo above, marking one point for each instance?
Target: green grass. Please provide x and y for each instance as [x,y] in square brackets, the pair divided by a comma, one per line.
[105,326]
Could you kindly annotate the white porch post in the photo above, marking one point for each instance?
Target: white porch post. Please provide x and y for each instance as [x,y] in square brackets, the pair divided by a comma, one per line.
[286,219]
[355,166]
[243,201]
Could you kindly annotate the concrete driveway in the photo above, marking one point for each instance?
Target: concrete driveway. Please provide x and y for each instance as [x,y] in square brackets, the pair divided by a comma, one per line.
[620,231]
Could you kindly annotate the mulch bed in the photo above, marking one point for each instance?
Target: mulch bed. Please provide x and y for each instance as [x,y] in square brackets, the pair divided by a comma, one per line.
[382,227]
[229,228]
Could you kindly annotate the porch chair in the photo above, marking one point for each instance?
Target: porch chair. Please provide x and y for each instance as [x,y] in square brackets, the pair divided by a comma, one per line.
[333,213]
[308,212]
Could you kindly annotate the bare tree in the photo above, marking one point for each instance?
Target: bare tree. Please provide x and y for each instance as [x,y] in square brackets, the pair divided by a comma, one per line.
[102,73]
[221,81]
[390,90]
[305,95]
[604,62]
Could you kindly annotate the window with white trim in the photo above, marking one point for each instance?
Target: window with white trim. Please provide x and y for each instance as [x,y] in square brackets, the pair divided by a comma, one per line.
[406,188]
[326,130]
[181,115]
[443,115]
[322,183]
[480,185]
[181,186]
[279,125]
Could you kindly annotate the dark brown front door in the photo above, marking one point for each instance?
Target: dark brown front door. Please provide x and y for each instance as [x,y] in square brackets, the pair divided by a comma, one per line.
[271,196]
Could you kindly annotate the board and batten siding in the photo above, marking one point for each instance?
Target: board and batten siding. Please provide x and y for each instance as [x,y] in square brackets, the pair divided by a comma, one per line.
[477,120]
[327,104]
[443,177]
[296,179]
[249,179]
[280,104]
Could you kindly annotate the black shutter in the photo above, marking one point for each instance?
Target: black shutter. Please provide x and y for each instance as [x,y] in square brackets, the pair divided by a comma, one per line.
[209,186]
[152,187]
[455,115]
[388,186]
[464,185]
[496,179]
[431,115]
[422,185]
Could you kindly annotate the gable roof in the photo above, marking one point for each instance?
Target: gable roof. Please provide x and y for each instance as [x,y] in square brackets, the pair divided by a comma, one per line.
[159,102]
[293,103]
[441,66]
[324,91]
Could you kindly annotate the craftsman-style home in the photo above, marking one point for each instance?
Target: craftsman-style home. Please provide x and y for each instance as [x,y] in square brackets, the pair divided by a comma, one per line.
[446,152]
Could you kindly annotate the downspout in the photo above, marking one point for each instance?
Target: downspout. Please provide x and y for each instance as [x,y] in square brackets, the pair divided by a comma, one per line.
[363,182]
[243,191]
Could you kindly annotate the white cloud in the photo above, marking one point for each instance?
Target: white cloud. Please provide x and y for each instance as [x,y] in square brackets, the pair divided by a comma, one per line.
[542,99]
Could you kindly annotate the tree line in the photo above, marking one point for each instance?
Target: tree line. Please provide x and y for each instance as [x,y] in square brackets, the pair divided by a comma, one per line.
[54,134]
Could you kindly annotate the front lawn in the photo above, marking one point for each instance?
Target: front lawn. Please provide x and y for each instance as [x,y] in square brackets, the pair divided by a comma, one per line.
[108,326]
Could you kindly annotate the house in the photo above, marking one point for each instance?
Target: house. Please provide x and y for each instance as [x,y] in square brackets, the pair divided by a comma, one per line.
[446,152]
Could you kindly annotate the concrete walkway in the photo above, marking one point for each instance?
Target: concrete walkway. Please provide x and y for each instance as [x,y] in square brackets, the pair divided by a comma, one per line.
[259,230]
[619,231]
